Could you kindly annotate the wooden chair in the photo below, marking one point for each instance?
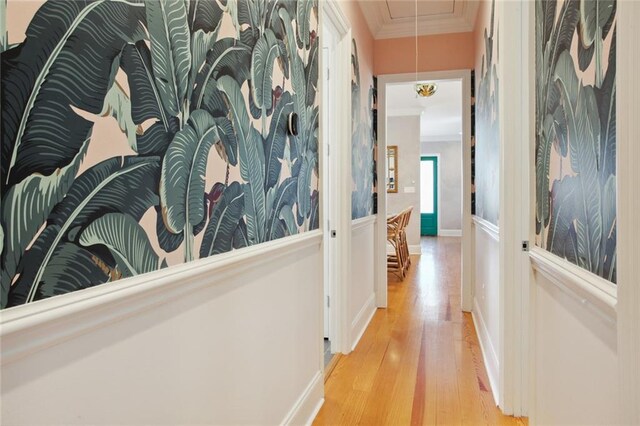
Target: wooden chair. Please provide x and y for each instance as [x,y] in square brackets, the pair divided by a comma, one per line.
[403,238]
[399,261]
[394,261]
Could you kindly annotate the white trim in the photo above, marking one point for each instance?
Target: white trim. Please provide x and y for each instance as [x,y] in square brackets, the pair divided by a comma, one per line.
[515,71]
[306,408]
[334,13]
[342,201]
[35,326]
[489,228]
[489,354]
[628,175]
[381,234]
[450,233]
[587,288]
[382,25]
[362,223]
[362,320]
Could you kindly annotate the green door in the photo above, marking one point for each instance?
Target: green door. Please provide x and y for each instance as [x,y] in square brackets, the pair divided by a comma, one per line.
[428,195]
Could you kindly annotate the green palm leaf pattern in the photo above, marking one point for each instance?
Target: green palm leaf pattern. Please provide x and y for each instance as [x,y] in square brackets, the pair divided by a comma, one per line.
[182,180]
[118,105]
[157,70]
[42,85]
[252,159]
[264,55]
[578,215]
[126,240]
[218,236]
[276,141]
[26,207]
[170,50]
[123,185]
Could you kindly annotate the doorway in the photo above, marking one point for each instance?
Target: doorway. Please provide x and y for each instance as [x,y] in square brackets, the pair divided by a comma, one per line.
[454,150]
[428,196]
[329,44]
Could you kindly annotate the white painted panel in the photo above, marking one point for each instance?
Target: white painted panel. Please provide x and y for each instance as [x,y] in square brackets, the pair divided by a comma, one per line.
[486,310]
[243,350]
[576,365]
[362,289]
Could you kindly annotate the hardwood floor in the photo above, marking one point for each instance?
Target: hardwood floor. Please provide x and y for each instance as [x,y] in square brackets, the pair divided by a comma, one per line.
[419,362]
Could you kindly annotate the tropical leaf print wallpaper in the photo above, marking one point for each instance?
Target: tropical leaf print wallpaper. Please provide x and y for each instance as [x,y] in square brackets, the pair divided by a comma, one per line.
[487,140]
[576,132]
[362,143]
[141,134]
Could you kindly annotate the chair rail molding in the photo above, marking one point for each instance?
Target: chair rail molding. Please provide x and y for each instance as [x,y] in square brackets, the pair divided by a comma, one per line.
[590,290]
[489,228]
[363,223]
[32,327]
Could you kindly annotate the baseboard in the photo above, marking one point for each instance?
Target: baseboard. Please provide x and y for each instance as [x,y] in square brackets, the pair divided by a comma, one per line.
[306,408]
[488,351]
[361,321]
[450,233]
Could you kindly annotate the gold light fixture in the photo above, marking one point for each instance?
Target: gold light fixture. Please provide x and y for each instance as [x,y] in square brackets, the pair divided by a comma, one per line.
[423,90]
[426,89]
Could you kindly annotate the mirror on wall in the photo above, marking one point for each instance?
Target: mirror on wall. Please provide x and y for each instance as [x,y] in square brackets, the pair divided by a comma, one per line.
[392,168]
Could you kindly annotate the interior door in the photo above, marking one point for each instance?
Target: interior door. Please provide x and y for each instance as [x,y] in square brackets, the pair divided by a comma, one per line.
[428,195]
[328,175]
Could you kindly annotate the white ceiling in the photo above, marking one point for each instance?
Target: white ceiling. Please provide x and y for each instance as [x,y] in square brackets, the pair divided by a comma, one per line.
[441,114]
[406,8]
[396,18]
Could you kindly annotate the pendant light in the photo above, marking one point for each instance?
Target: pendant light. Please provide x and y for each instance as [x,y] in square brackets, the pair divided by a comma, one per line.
[422,89]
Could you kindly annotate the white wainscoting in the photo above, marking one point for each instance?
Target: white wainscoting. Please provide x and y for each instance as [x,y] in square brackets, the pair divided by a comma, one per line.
[575,331]
[362,301]
[230,339]
[486,298]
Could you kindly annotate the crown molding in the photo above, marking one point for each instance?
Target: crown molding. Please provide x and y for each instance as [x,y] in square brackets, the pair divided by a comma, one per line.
[382,26]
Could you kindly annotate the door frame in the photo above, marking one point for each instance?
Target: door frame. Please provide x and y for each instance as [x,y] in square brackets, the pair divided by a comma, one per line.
[436,188]
[340,161]
[328,175]
[381,231]
[628,61]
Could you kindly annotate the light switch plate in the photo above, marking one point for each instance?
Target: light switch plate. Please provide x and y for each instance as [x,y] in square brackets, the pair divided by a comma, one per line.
[409,189]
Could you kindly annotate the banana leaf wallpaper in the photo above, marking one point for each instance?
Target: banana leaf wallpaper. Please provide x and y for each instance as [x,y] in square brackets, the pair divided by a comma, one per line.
[473,142]
[487,127]
[576,132]
[141,134]
[363,166]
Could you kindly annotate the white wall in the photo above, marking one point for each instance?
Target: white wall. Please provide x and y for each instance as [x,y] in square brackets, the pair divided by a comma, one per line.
[450,175]
[233,344]
[362,302]
[575,361]
[405,133]
[486,291]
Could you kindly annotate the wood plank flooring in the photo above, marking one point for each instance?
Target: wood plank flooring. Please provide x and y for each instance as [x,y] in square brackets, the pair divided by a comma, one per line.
[419,362]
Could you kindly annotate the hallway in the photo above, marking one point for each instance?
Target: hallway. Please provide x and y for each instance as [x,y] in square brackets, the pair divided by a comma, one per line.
[419,362]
